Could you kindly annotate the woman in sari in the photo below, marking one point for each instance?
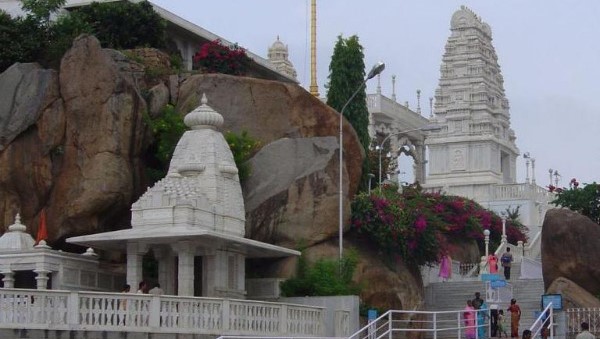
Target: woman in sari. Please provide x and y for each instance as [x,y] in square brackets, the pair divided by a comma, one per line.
[469,319]
[515,316]
[445,268]
[481,315]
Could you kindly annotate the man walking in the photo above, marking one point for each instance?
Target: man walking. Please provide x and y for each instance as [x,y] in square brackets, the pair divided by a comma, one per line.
[506,260]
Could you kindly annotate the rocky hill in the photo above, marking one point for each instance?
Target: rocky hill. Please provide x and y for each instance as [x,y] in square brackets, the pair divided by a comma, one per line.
[73,142]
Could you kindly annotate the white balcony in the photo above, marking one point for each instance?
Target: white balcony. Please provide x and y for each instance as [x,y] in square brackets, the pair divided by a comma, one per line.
[122,312]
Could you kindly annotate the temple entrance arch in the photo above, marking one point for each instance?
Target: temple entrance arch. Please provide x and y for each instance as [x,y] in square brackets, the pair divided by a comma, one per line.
[410,157]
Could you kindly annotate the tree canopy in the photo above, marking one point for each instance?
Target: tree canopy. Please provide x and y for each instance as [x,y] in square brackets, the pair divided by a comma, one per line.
[346,74]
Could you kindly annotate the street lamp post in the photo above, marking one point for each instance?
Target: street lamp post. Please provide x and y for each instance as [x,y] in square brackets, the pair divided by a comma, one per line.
[504,239]
[486,234]
[377,69]
[426,128]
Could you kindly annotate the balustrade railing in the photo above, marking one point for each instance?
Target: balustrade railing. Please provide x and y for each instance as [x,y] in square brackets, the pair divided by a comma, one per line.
[575,316]
[63,310]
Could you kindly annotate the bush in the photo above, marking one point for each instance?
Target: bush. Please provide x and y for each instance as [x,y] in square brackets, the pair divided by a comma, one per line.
[585,200]
[243,148]
[22,40]
[214,57]
[325,277]
[167,129]
[417,226]
[124,25]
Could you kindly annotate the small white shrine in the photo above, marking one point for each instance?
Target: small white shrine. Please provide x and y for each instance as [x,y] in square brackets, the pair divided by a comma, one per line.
[193,220]
[26,265]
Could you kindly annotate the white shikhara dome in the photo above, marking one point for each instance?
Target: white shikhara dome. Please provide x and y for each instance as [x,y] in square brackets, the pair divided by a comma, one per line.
[202,188]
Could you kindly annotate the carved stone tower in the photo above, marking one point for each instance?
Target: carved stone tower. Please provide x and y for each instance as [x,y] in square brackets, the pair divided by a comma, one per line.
[476,146]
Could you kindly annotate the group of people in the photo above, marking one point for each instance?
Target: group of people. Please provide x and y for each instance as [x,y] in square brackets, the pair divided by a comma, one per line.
[474,318]
[505,260]
[143,288]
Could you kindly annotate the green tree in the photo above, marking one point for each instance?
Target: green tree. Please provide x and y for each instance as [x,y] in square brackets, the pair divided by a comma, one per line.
[125,25]
[585,200]
[346,74]
[41,10]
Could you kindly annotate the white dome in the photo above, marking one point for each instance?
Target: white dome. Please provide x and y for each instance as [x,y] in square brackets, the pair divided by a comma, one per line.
[16,239]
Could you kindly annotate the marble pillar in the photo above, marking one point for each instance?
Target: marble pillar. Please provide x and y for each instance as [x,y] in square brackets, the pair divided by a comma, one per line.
[166,269]
[135,253]
[9,278]
[41,278]
[185,268]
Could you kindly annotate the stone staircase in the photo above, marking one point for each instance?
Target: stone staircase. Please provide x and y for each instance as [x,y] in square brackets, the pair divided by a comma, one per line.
[447,296]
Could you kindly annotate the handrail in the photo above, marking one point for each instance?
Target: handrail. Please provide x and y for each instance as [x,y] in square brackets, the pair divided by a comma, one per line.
[544,320]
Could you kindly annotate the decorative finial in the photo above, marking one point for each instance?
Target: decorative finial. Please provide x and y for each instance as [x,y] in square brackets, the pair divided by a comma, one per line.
[203,116]
[17,226]
[431,107]
[42,244]
[394,87]
[406,104]
[379,84]
[419,101]
[89,252]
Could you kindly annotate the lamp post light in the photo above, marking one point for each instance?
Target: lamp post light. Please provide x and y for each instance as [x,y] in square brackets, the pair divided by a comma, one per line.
[426,128]
[504,239]
[486,239]
[377,69]
[371,176]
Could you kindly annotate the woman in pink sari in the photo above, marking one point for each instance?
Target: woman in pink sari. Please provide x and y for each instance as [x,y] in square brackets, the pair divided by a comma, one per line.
[445,268]
[493,263]
[469,319]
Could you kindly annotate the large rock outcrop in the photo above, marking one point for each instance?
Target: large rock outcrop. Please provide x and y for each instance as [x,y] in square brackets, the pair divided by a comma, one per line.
[292,194]
[570,245]
[573,296]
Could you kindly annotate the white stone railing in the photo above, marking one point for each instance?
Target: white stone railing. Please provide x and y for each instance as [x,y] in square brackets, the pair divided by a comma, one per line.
[520,191]
[575,316]
[94,311]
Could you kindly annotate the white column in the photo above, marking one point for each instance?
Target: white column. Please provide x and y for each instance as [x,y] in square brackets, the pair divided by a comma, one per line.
[135,253]
[41,278]
[504,239]
[8,280]
[185,265]
[166,272]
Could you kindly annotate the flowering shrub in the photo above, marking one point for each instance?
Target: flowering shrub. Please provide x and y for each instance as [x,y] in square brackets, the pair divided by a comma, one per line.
[585,200]
[214,57]
[418,226]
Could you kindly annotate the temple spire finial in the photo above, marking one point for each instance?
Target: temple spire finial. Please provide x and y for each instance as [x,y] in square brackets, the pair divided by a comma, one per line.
[419,101]
[379,84]
[394,87]
[430,107]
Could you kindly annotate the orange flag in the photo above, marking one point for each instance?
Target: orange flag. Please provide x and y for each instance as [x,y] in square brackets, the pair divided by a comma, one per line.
[42,233]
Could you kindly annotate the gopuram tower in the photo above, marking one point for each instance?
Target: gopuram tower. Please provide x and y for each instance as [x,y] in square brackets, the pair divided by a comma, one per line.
[475,149]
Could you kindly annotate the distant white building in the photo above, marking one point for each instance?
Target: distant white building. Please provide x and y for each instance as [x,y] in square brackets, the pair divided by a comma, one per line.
[278,57]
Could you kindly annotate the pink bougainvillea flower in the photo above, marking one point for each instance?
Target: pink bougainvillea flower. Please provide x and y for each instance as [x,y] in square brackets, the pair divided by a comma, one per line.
[420,223]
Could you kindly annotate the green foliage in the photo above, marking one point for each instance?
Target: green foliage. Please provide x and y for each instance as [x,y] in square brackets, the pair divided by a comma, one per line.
[325,277]
[243,147]
[61,34]
[167,129]
[124,24]
[34,38]
[585,200]
[387,164]
[40,10]
[346,74]
[417,226]
[25,38]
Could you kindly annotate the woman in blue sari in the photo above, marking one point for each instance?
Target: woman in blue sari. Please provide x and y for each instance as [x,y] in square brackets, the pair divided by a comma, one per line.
[481,315]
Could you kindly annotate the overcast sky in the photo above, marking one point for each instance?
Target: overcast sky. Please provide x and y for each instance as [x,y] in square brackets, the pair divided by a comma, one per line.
[548,51]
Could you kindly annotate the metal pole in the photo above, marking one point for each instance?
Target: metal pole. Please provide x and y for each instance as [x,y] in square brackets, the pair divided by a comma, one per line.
[380,148]
[504,240]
